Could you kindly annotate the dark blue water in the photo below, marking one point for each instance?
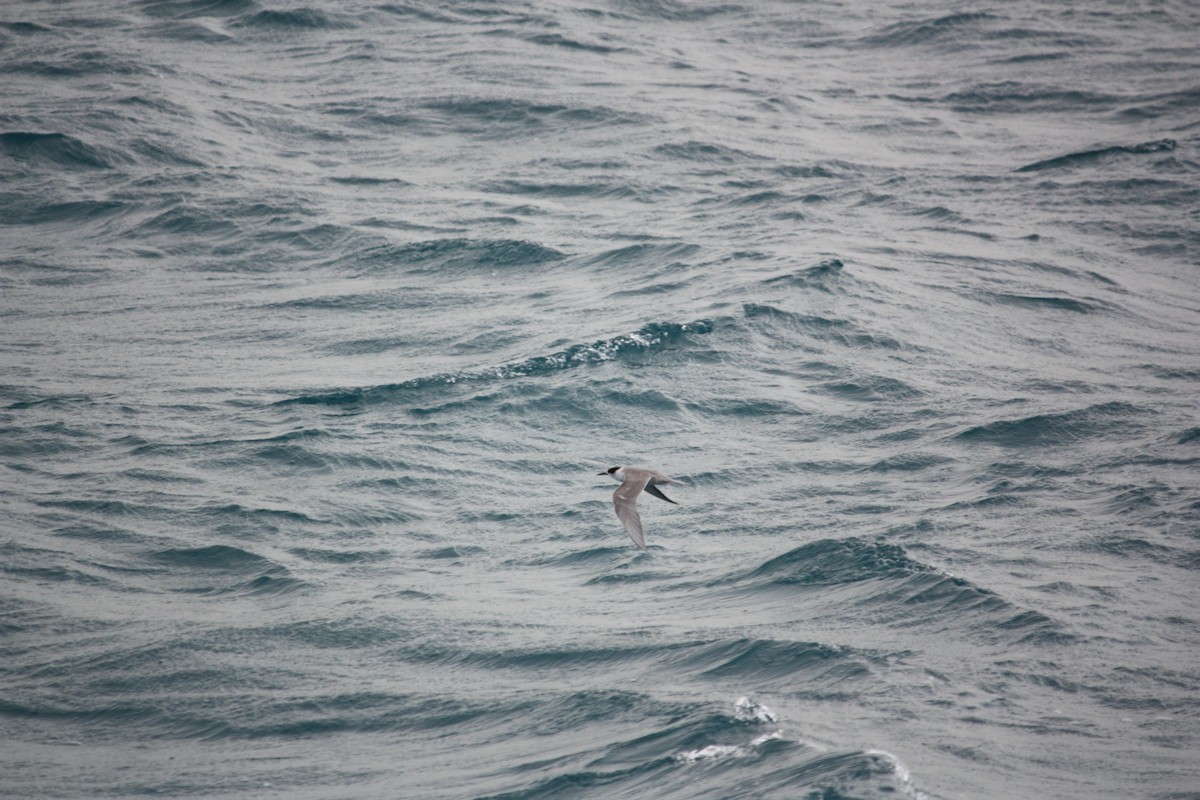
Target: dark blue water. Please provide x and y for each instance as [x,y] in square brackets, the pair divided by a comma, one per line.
[318,321]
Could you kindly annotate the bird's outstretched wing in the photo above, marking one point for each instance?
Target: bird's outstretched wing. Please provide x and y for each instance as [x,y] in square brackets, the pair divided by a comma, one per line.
[625,503]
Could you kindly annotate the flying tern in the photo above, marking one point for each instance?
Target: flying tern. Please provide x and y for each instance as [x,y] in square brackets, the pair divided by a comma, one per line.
[634,481]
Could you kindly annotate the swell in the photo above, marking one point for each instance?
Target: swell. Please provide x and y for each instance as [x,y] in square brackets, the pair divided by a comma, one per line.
[882,579]
[1099,156]
[367,255]
[57,149]
[652,337]
[826,329]
[927,31]
[612,742]
[701,750]
[484,117]
[306,19]
[252,713]
[1038,303]
[1013,97]
[1106,420]
[819,276]
[223,570]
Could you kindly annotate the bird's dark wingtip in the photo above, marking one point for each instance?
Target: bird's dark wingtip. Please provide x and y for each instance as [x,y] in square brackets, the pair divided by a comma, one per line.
[654,490]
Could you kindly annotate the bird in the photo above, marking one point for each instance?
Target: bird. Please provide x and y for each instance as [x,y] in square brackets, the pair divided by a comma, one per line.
[633,481]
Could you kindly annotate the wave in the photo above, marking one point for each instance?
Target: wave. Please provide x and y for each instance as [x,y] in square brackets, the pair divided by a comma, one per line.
[499,118]
[1131,548]
[783,769]
[1068,427]
[75,212]
[96,531]
[197,8]
[25,28]
[596,189]
[644,254]
[1104,154]
[910,462]
[897,589]
[207,31]
[704,153]
[172,711]
[295,19]
[818,666]
[441,255]
[452,553]
[225,570]
[1013,97]
[837,331]
[674,10]
[558,40]
[348,633]
[422,13]
[60,574]
[88,64]
[816,276]
[211,557]
[869,389]
[650,337]
[823,670]
[1040,302]
[925,31]
[1188,436]
[368,181]
[59,149]
[319,555]
[196,222]
[834,561]
[608,740]
[1163,105]
[697,750]
[542,658]
[512,110]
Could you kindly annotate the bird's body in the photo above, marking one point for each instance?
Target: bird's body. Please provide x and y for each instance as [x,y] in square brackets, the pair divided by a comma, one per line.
[635,480]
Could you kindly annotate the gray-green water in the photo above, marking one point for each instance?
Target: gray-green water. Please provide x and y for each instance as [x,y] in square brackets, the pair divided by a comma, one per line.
[318,321]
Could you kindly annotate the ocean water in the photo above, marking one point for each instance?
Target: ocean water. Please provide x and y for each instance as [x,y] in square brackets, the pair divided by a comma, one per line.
[318,320]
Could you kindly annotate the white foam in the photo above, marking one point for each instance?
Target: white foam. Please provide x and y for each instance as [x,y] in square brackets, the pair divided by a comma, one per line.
[903,776]
[712,751]
[748,710]
[745,710]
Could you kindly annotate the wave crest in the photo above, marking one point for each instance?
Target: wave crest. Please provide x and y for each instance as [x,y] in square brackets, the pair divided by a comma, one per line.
[648,337]
[1087,157]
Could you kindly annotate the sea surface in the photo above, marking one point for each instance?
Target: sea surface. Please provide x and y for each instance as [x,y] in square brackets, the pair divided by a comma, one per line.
[318,321]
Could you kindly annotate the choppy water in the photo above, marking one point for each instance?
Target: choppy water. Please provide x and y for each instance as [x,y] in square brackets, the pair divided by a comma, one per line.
[319,319]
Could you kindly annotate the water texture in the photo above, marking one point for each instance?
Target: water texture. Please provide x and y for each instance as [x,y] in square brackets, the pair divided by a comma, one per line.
[317,322]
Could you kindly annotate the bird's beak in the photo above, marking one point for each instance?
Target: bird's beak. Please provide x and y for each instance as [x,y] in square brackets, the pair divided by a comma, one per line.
[601,473]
